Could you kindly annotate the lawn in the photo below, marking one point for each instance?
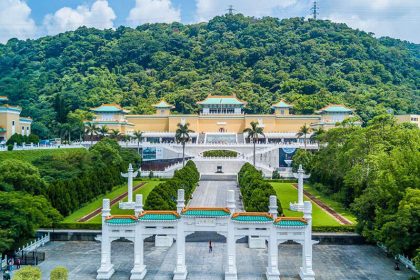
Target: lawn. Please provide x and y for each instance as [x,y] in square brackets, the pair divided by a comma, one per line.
[32,155]
[287,193]
[337,206]
[145,190]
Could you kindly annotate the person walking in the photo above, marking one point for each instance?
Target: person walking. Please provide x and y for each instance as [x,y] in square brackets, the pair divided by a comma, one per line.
[210,247]
[17,263]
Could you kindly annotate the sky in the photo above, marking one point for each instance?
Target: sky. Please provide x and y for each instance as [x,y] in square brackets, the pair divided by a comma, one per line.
[35,18]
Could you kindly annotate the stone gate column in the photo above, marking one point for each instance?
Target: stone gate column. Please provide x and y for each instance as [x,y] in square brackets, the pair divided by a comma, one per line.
[139,270]
[300,185]
[306,272]
[273,272]
[231,273]
[130,175]
[180,272]
[107,269]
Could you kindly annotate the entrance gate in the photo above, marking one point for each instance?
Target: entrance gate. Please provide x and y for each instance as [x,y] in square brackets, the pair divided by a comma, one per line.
[225,221]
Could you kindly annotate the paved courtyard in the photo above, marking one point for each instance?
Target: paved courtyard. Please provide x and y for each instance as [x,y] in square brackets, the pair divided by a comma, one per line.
[214,194]
[331,262]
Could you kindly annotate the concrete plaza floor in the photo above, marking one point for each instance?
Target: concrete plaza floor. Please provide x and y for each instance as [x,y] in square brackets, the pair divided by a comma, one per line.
[331,262]
[214,194]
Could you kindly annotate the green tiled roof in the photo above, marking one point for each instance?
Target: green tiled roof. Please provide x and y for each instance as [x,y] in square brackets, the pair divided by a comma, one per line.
[336,109]
[290,223]
[252,218]
[214,100]
[281,104]
[163,104]
[3,98]
[205,213]
[107,109]
[158,217]
[120,221]
[2,129]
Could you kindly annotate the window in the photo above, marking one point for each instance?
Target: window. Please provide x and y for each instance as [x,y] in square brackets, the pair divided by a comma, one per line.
[281,112]
[414,119]
[13,123]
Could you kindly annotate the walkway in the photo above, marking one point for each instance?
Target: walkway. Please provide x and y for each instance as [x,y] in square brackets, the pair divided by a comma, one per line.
[325,207]
[331,262]
[214,194]
[97,211]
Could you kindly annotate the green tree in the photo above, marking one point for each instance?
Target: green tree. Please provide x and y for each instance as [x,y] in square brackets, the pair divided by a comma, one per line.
[115,134]
[138,135]
[303,131]
[182,135]
[103,131]
[253,133]
[91,129]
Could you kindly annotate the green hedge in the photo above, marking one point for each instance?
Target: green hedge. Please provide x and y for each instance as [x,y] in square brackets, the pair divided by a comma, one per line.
[27,273]
[164,196]
[255,190]
[281,180]
[220,153]
[343,228]
[78,226]
[59,273]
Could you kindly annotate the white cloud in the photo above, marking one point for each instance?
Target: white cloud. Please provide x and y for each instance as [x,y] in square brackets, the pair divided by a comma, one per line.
[150,11]
[15,20]
[207,9]
[397,19]
[99,15]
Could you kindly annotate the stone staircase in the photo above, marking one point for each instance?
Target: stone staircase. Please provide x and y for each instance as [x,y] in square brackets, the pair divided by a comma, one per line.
[201,138]
[241,138]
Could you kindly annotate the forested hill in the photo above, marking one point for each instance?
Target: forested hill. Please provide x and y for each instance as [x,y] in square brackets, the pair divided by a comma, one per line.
[309,63]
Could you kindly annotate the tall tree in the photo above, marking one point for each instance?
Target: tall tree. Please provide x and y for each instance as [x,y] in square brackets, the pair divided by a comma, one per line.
[115,134]
[138,135]
[253,133]
[317,134]
[182,135]
[103,131]
[91,129]
[304,131]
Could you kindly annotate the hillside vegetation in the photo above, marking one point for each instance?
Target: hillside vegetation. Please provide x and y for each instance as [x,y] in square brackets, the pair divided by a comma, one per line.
[309,63]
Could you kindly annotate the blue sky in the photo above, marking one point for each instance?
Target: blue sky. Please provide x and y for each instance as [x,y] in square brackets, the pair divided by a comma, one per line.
[34,18]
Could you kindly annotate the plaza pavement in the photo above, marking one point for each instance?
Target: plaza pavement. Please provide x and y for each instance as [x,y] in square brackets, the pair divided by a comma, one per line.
[214,194]
[331,262]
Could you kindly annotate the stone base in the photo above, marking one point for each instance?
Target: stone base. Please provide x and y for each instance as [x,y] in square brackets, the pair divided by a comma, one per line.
[296,207]
[256,242]
[163,241]
[180,273]
[308,275]
[272,275]
[105,272]
[231,275]
[126,205]
[138,272]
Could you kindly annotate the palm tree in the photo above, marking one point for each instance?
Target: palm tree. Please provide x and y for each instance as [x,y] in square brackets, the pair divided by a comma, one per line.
[182,135]
[115,134]
[103,130]
[317,135]
[126,138]
[138,135]
[91,129]
[253,133]
[303,131]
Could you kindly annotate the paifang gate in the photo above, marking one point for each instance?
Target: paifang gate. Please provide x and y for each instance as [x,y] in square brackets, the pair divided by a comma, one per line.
[225,221]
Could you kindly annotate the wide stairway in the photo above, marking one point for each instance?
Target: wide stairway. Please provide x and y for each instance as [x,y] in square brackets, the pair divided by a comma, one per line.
[241,138]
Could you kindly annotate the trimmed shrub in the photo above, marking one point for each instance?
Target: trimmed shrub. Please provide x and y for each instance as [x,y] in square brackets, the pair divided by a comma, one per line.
[59,273]
[28,273]
[220,153]
[163,197]
[255,190]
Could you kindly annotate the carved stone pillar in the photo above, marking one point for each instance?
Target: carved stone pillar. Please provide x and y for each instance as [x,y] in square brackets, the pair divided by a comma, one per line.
[107,269]
[273,272]
[180,272]
[231,273]
[306,272]
[139,270]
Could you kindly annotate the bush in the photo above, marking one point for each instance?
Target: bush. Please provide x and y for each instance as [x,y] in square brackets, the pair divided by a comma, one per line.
[28,273]
[163,197]
[276,174]
[59,273]
[10,147]
[75,225]
[342,228]
[255,190]
[220,153]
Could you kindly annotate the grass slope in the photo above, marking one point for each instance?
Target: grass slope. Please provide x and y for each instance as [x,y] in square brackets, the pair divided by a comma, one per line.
[32,155]
[287,193]
[145,190]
